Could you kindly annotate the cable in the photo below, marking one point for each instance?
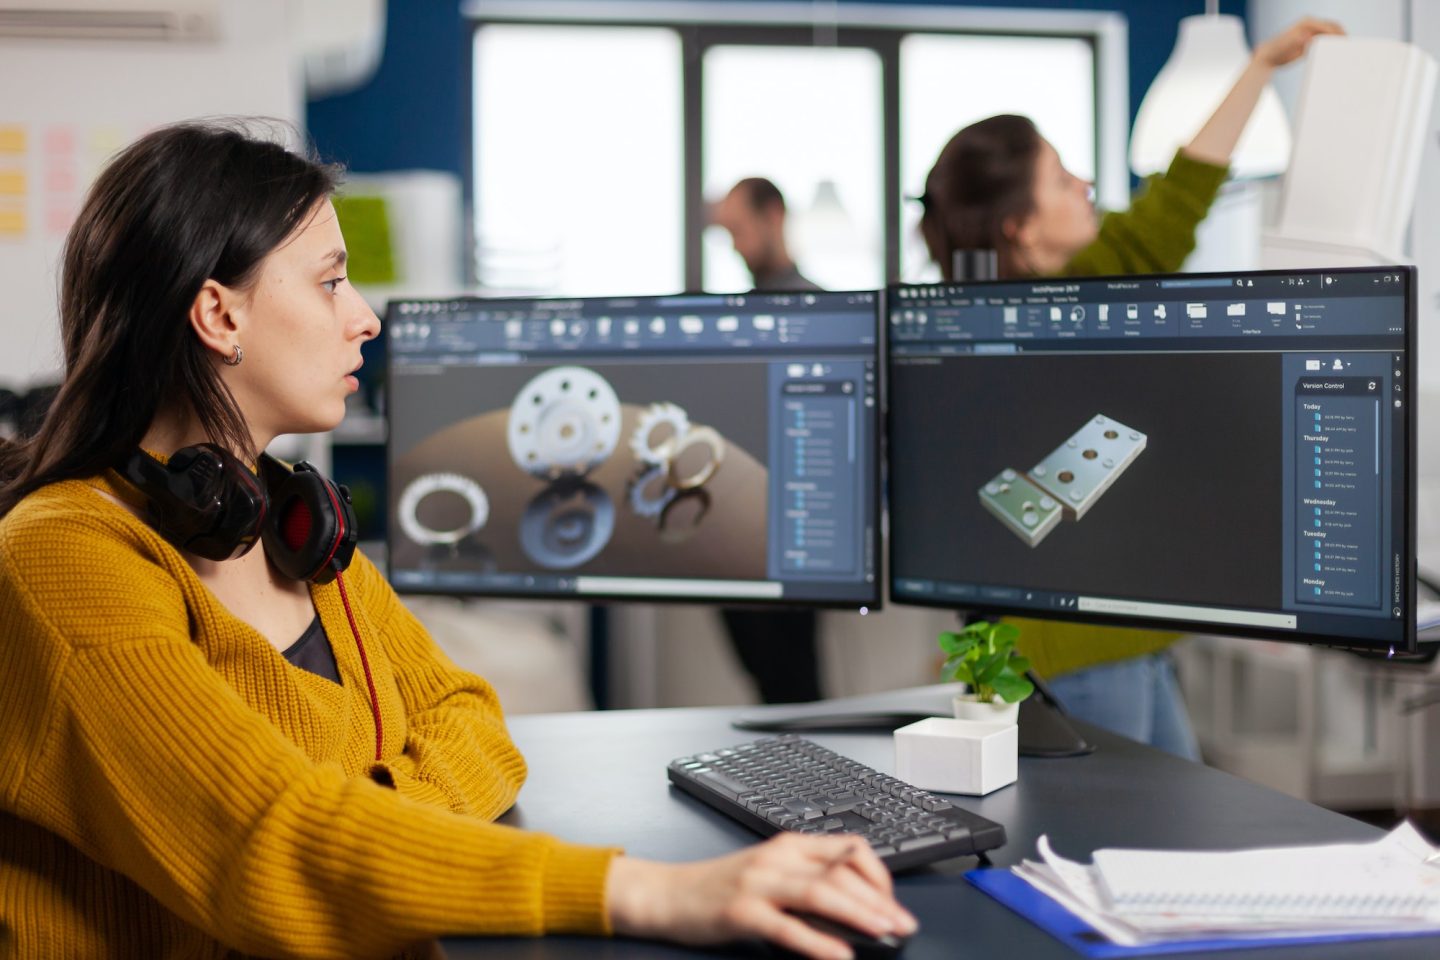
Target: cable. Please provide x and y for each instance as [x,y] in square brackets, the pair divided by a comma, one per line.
[364,662]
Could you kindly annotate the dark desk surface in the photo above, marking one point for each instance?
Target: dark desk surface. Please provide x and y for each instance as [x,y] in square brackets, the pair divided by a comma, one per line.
[600,778]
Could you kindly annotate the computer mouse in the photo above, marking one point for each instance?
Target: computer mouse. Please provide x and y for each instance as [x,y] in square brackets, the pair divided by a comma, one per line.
[865,946]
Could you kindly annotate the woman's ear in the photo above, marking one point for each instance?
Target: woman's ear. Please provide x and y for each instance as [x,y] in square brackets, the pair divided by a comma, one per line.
[1017,232]
[211,319]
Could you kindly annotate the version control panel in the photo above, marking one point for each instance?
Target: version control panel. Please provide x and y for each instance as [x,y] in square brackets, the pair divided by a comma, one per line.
[1343,546]
[818,436]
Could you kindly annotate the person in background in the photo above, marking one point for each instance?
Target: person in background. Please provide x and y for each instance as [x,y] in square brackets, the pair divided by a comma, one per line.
[779,649]
[204,752]
[998,184]
[754,214]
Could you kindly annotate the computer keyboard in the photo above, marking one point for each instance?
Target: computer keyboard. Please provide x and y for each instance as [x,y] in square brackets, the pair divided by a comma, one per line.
[787,783]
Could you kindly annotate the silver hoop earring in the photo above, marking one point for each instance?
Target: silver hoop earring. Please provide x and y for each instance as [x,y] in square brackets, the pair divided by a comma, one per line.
[234,359]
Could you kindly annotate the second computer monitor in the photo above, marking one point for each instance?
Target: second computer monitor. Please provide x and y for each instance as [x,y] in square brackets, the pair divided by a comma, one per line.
[706,448]
[1217,453]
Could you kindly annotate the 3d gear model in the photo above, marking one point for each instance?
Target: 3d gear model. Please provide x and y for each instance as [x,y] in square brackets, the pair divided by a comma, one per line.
[567,524]
[650,492]
[662,437]
[651,442]
[407,509]
[564,422]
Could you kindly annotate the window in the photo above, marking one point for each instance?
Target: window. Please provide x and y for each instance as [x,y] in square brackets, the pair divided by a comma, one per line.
[809,119]
[578,160]
[949,82]
[600,138]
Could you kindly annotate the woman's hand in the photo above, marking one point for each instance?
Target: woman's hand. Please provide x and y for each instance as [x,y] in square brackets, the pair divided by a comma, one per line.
[1217,138]
[1290,45]
[746,894]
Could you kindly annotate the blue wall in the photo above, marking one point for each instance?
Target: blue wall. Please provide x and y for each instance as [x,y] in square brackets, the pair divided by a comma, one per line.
[413,114]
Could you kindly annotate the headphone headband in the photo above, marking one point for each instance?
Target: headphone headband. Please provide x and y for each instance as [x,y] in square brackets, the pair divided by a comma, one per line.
[206,501]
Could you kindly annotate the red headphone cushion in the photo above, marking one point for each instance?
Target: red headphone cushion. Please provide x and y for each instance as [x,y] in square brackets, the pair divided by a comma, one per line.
[296,523]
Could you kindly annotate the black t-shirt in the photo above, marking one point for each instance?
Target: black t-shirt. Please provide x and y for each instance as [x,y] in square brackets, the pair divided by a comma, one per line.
[313,652]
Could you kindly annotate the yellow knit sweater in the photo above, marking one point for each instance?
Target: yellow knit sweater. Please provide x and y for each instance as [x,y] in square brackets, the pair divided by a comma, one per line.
[171,786]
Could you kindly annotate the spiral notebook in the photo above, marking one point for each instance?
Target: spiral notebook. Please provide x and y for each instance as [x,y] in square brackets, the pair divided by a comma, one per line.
[1067,926]
[1383,880]
[1166,901]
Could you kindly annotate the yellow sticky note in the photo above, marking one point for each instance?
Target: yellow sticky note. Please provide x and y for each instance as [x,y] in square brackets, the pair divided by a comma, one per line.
[12,139]
[12,222]
[12,183]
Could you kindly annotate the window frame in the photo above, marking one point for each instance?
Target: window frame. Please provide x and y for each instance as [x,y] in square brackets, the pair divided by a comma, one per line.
[701,25]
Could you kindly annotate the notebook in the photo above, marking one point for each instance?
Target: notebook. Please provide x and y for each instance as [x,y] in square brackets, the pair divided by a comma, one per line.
[1386,879]
[1079,935]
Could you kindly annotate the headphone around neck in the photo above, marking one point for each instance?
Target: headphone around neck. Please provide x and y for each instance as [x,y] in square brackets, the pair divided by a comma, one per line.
[206,501]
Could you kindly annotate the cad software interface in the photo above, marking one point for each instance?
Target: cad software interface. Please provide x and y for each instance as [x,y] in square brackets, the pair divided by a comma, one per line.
[1219,453]
[699,447]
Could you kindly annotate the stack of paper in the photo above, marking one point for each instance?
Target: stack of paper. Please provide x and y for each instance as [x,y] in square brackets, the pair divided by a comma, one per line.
[1141,897]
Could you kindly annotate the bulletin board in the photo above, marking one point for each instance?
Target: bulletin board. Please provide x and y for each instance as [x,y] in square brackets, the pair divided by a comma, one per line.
[70,104]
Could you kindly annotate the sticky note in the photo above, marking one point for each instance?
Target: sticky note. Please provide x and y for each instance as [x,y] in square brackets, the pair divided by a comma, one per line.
[12,139]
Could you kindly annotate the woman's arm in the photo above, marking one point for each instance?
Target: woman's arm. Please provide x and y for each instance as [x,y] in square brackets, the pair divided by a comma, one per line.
[1157,233]
[458,752]
[1215,143]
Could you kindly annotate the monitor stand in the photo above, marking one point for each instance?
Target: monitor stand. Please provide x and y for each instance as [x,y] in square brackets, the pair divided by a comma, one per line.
[1045,730]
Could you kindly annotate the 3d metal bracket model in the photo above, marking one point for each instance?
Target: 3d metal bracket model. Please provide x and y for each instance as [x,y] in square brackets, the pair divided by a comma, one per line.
[1067,483]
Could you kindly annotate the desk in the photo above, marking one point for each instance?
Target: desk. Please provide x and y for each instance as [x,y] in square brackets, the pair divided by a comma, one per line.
[600,778]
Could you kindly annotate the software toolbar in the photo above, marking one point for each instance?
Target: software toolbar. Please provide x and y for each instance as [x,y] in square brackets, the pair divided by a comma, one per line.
[449,331]
[1204,308]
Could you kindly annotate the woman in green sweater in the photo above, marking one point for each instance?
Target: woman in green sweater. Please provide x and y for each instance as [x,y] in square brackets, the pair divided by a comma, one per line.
[999,185]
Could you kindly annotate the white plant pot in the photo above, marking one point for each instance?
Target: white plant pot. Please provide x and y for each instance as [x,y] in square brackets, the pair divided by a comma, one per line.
[995,711]
[957,756]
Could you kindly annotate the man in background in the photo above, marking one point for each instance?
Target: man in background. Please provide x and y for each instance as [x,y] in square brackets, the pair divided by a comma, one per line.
[776,647]
[754,214]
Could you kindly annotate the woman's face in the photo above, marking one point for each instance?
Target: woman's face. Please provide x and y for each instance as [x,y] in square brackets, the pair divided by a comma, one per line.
[301,328]
[1063,220]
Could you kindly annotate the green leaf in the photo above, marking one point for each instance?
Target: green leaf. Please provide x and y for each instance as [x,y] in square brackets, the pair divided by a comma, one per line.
[1019,664]
[1006,633]
[989,667]
[956,644]
[1013,689]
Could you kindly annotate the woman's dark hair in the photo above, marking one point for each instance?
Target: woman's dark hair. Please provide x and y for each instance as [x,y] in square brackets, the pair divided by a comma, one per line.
[983,177]
[182,205]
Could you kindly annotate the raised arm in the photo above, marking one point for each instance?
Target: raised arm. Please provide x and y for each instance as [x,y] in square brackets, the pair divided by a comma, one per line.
[1215,143]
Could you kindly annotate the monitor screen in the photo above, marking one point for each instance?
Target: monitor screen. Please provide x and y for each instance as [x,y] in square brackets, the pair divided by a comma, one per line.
[1208,453]
[706,448]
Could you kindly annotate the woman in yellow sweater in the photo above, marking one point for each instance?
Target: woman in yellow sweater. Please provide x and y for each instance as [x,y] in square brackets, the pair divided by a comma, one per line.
[999,185]
[207,750]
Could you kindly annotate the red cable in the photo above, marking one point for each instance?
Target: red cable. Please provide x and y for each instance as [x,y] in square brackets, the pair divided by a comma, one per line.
[364,662]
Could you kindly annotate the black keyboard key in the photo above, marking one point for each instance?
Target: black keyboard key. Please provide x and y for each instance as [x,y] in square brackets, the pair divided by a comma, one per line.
[724,783]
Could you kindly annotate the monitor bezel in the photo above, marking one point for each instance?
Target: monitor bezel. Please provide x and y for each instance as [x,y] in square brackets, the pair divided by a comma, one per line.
[877,502]
[1410,641]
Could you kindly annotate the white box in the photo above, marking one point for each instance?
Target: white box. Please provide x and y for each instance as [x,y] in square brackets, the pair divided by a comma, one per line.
[957,756]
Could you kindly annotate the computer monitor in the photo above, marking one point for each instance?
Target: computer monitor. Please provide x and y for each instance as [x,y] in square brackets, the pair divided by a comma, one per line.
[1220,453]
[719,449]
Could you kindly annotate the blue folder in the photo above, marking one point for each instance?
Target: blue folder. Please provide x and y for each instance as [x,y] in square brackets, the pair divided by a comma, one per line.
[1079,936]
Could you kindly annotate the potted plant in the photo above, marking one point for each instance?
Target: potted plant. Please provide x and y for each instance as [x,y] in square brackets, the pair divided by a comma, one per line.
[982,656]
